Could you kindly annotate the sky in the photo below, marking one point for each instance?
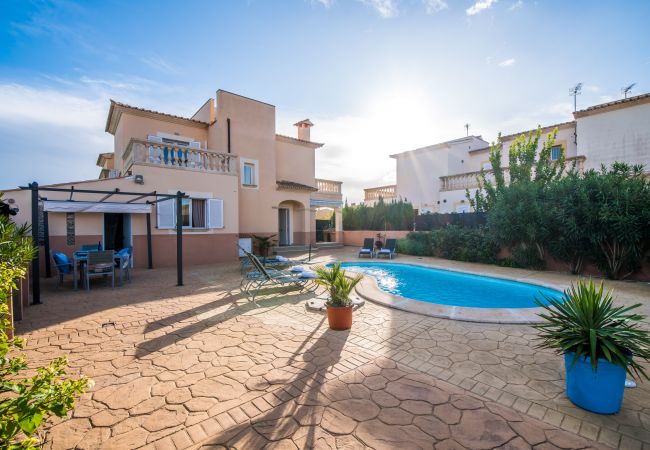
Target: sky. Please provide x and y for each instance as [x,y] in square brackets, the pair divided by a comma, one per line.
[376,77]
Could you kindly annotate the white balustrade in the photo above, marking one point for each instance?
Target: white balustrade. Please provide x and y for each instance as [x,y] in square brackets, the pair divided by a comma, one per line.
[169,155]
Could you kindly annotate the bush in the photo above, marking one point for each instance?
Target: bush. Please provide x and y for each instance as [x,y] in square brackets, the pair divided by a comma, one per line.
[416,243]
[28,395]
[527,257]
[396,215]
[464,244]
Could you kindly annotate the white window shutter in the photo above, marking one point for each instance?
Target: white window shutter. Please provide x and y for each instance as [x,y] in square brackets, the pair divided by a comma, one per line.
[166,213]
[215,213]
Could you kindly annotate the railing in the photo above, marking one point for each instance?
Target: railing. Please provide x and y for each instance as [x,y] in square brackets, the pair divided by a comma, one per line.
[176,156]
[385,192]
[328,186]
[470,180]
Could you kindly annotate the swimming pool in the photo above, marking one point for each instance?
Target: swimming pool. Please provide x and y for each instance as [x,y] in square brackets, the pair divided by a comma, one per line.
[445,287]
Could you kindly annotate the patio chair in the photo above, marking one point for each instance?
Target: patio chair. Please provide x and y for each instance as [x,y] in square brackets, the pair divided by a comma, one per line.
[100,264]
[62,264]
[263,277]
[125,262]
[368,248]
[389,249]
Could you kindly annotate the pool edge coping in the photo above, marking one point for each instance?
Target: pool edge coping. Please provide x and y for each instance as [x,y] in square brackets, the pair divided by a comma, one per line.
[369,290]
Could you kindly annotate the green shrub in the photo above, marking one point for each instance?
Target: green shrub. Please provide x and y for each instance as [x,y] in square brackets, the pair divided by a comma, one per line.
[396,215]
[464,244]
[28,395]
[527,257]
[417,243]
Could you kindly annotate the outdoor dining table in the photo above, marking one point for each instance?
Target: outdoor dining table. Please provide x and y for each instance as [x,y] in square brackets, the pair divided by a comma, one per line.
[81,258]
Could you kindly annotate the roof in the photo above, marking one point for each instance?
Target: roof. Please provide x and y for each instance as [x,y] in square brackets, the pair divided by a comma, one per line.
[116,109]
[104,156]
[443,145]
[293,186]
[294,140]
[544,129]
[609,106]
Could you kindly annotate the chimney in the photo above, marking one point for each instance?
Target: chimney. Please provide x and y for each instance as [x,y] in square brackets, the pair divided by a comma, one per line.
[303,129]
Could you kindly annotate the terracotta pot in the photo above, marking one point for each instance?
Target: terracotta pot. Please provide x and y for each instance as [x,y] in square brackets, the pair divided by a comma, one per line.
[339,317]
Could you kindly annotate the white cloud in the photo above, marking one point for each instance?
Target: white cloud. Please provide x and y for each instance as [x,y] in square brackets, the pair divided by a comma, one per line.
[479,6]
[158,63]
[325,3]
[516,5]
[385,8]
[60,133]
[507,62]
[433,6]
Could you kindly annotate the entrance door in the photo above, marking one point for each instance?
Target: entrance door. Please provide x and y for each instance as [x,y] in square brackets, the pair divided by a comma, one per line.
[284,226]
[117,231]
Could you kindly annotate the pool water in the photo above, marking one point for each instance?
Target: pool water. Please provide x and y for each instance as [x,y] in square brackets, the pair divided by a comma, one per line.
[446,287]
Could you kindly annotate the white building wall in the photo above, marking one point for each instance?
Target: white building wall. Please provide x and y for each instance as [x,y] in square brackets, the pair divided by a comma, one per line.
[616,135]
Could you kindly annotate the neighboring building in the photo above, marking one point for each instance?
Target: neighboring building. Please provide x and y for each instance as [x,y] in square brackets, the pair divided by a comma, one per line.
[372,195]
[435,178]
[241,176]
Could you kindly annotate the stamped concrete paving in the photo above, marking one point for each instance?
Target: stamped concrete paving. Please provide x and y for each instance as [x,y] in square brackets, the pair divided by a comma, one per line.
[200,366]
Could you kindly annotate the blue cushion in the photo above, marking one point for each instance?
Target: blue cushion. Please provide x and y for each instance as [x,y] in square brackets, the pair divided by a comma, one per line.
[62,263]
[308,275]
[123,252]
[297,269]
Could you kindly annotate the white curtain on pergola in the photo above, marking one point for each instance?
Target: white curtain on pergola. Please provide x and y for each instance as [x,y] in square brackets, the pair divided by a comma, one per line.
[95,207]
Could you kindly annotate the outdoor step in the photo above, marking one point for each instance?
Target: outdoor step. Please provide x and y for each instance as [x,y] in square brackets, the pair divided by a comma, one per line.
[289,249]
[328,245]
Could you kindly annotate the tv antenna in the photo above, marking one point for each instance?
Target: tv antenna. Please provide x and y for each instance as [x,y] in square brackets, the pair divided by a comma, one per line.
[574,92]
[626,90]
[467,128]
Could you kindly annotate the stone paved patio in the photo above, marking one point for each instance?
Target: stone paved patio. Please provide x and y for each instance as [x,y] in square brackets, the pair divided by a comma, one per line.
[200,367]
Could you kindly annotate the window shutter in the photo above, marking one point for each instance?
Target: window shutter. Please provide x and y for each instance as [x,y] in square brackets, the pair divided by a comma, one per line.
[215,213]
[166,213]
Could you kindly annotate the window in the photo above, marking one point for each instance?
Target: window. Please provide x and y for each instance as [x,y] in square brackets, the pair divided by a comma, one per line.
[249,174]
[556,151]
[193,213]
[487,165]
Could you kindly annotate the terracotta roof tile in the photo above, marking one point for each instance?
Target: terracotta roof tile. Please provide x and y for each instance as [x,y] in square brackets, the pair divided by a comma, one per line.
[293,186]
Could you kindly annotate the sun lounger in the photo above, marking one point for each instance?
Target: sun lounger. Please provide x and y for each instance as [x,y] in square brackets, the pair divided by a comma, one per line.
[368,248]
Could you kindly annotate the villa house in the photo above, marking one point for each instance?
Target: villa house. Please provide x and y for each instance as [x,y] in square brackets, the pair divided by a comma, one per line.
[240,177]
[435,178]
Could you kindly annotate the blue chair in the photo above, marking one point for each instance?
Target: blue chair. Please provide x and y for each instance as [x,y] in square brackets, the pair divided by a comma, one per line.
[63,265]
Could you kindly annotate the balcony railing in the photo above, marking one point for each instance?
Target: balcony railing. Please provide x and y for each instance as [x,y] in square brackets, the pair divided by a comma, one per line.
[470,180]
[175,156]
[328,186]
[385,192]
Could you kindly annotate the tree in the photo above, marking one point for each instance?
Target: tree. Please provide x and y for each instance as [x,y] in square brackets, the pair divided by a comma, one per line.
[524,166]
[572,221]
[25,401]
[620,235]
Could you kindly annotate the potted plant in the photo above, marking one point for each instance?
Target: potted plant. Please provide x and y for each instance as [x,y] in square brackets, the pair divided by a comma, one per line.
[599,342]
[339,286]
[263,244]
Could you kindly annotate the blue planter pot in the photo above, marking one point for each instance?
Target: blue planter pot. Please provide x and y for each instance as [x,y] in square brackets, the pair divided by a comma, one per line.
[600,391]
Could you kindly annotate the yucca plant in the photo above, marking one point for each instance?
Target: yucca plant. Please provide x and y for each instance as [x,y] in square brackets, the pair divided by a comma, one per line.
[586,322]
[339,286]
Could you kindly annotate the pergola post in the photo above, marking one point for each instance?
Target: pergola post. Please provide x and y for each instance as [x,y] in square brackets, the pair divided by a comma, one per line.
[149,250]
[36,263]
[179,237]
[46,242]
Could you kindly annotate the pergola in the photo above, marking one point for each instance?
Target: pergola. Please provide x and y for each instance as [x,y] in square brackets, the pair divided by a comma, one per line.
[101,205]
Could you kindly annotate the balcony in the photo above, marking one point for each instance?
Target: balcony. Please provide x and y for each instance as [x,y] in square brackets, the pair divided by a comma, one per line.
[385,192]
[470,180]
[328,186]
[140,151]
[329,194]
